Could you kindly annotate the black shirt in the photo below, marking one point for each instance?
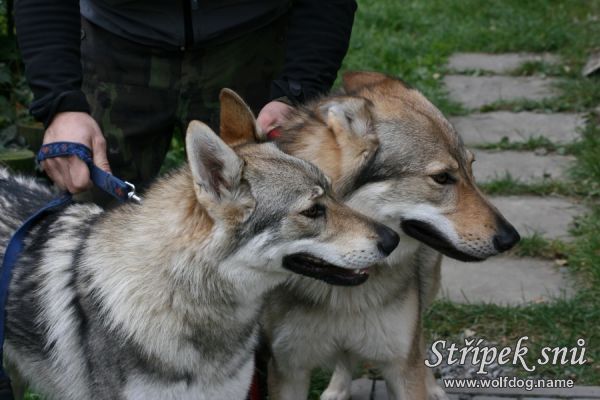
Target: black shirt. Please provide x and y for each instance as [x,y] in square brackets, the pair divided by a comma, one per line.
[49,32]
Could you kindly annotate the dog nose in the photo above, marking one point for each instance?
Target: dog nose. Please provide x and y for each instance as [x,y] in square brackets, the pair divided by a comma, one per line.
[388,239]
[506,237]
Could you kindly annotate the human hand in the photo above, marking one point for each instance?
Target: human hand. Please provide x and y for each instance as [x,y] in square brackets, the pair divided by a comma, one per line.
[70,172]
[272,116]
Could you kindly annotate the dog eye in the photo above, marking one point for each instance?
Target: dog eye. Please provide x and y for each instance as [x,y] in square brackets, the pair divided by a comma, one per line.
[443,179]
[315,211]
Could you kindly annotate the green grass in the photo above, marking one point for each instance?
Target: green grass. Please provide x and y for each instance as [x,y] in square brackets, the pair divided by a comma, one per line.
[538,246]
[541,68]
[532,143]
[507,185]
[413,38]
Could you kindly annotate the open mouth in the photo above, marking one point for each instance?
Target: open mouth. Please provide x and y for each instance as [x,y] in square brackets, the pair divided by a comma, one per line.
[317,268]
[427,234]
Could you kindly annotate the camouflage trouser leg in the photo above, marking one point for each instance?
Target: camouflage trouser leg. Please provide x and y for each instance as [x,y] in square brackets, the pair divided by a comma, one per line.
[138,94]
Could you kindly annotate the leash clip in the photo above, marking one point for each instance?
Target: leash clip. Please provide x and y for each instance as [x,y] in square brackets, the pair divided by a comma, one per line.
[131,194]
[112,185]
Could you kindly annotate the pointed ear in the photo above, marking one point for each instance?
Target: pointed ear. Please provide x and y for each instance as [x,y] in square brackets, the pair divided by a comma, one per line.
[353,81]
[348,117]
[237,123]
[350,120]
[215,166]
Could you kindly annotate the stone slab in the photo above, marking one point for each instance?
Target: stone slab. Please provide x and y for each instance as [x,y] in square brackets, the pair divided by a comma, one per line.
[492,127]
[477,91]
[524,166]
[498,63]
[361,389]
[504,281]
[550,217]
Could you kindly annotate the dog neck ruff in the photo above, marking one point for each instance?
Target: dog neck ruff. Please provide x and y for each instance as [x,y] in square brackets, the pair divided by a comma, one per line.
[112,185]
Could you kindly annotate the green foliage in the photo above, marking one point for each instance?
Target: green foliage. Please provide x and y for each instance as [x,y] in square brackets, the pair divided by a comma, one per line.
[507,185]
[538,246]
[533,143]
[413,38]
[587,170]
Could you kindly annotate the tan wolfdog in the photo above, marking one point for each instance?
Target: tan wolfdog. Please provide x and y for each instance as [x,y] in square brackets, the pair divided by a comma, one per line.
[406,167]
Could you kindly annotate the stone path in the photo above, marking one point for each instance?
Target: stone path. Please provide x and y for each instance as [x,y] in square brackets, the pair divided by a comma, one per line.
[498,63]
[536,281]
[478,91]
[509,280]
[492,127]
[493,165]
[550,217]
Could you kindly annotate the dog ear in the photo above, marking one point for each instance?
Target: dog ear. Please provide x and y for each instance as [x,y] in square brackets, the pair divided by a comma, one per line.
[353,81]
[348,117]
[216,169]
[350,120]
[237,123]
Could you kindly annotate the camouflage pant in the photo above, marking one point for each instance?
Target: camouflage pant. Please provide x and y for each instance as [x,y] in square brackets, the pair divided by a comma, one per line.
[139,95]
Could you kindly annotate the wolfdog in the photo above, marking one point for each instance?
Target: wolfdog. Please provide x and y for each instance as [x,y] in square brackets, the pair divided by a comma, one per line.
[415,176]
[161,300]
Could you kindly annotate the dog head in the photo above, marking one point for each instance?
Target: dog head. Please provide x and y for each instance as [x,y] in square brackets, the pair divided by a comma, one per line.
[277,210]
[421,178]
[417,176]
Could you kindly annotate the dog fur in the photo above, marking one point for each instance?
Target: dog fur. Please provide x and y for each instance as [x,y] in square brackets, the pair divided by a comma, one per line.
[161,300]
[417,180]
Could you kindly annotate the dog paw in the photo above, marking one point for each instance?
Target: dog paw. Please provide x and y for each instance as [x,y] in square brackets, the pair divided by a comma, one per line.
[436,393]
[335,394]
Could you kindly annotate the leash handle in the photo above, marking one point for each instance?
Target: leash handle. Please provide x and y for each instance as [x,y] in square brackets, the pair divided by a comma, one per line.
[121,190]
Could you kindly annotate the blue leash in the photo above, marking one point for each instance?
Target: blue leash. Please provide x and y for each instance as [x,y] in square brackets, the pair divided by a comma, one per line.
[114,186]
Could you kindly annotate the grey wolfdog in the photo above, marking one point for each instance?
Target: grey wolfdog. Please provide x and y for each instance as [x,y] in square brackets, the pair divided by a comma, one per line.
[404,165]
[161,300]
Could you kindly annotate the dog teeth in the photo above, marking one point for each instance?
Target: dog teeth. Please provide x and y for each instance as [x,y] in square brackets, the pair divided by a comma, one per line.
[360,271]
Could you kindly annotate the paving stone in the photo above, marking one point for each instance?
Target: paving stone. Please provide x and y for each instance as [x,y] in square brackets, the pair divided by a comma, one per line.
[538,398]
[498,63]
[492,127]
[550,217]
[504,280]
[493,398]
[361,389]
[524,166]
[477,91]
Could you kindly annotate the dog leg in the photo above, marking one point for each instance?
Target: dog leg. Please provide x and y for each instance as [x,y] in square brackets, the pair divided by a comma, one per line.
[290,383]
[18,385]
[434,390]
[404,382]
[341,380]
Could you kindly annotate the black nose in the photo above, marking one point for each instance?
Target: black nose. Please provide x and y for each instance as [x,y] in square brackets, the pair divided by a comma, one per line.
[506,237]
[388,239]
